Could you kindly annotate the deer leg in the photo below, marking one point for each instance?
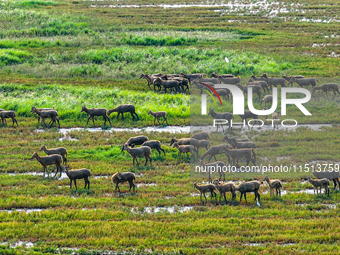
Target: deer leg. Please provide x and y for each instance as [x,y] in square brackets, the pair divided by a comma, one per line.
[70,183]
[146,160]
[137,118]
[192,155]
[241,196]
[162,150]
[122,115]
[109,120]
[93,120]
[222,128]
[56,171]
[88,119]
[75,183]
[228,158]
[53,121]
[85,179]
[43,121]
[133,117]
[211,194]
[245,197]
[334,182]
[254,162]
[104,120]
[205,197]
[215,196]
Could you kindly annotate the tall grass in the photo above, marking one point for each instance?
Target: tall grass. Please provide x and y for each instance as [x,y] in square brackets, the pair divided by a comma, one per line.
[160,41]
[68,101]
[129,62]
[12,56]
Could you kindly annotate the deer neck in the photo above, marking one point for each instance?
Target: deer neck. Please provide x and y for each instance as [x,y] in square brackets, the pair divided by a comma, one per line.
[66,171]
[213,114]
[86,110]
[38,157]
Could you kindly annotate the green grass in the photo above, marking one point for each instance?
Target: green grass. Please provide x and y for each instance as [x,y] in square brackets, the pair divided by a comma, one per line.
[107,222]
[66,53]
[69,100]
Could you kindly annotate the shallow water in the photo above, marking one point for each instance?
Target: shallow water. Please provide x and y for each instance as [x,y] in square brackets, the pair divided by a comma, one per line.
[288,244]
[254,244]
[67,138]
[306,191]
[145,184]
[283,192]
[19,243]
[185,129]
[63,176]
[101,176]
[170,129]
[29,173]
[171,209]
[209,129]
[25,210]
[282,158]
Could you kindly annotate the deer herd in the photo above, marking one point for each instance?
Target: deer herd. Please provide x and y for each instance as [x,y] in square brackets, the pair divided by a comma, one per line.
[235,150]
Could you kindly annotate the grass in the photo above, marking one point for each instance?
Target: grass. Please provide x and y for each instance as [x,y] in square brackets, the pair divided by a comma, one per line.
[130,62]
[105,210]
[68,100]
[68,53]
